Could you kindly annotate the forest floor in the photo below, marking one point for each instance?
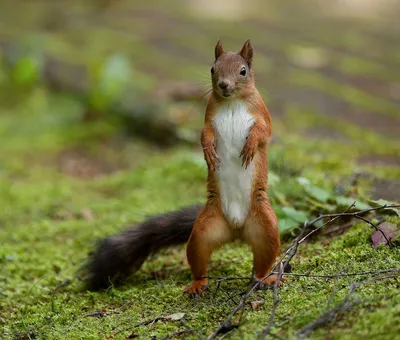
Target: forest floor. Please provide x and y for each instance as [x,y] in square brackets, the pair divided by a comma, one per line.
[332,86]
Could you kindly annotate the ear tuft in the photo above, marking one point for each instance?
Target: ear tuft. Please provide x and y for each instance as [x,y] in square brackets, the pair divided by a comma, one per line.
[219,50]
[247,52]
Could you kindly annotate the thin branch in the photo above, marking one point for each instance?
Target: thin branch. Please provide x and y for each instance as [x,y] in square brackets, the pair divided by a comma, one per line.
[266,330]
[334,276]
[144,323]
[332,217]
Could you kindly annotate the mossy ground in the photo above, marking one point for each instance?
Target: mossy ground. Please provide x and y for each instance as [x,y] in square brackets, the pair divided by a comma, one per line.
[64,183]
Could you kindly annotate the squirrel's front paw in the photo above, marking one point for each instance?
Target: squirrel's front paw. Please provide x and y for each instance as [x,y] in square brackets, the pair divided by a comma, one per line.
[211,157]
[248,152]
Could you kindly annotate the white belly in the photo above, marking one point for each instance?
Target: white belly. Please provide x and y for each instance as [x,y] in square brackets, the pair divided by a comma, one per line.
[232,124]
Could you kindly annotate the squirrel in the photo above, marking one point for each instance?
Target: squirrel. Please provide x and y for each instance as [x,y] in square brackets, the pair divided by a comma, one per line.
[235,138]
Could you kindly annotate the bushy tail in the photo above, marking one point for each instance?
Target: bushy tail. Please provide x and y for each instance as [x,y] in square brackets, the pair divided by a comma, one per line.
[120,255]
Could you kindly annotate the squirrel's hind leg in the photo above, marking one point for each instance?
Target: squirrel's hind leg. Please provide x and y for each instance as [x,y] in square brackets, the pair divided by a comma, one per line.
[210,231]
[261,233]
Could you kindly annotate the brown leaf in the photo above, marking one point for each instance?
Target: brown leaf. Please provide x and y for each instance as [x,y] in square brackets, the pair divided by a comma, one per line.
[390,230]
[255,305]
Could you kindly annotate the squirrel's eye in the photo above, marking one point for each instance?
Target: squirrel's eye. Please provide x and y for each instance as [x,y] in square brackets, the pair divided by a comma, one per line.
[243,71]
[212,70]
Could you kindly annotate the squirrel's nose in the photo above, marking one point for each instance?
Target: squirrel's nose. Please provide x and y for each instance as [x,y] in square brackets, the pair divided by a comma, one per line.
[223,84]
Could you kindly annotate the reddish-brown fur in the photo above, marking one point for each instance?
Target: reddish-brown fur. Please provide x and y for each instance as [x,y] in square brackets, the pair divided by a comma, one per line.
[211,229]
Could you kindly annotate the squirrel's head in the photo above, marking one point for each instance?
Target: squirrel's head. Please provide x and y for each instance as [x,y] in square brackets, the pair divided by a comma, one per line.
[231,74]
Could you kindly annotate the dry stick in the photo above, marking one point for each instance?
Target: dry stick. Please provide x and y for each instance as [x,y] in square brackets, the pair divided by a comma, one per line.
[392,270]
[320,217]
[227,325]
[266,330]
[331,276]
[230,297]
[144,323]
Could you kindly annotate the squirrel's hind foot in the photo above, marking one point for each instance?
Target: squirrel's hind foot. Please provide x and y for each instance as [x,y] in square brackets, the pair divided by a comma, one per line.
[197,288]
[271,281]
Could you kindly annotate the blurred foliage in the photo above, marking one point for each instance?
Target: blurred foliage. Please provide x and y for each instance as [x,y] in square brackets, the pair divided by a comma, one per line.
[108,82]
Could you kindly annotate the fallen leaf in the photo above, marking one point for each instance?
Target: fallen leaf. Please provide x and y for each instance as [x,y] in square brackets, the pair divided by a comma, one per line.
[255,305]
[390,230]
[174,317]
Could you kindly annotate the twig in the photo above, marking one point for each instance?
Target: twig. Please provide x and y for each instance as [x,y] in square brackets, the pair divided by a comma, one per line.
[334,276]
[232,278]
[96,314]
[228,278]
[230,297]
[63,284]
[144,323]
[226,334]
[332,217]
[266,330]
[326,276]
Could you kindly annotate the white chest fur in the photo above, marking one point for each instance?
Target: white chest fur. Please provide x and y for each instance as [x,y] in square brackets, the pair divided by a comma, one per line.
[232,124]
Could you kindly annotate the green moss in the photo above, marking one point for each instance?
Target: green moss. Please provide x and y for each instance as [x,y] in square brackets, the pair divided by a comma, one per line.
[45,236]
[45,239]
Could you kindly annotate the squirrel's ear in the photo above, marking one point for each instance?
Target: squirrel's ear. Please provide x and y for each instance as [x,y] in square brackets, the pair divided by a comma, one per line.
[219,50]
[247,52]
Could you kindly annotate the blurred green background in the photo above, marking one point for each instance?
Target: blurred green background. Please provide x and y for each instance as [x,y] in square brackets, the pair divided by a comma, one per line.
[101,106]
[328,71]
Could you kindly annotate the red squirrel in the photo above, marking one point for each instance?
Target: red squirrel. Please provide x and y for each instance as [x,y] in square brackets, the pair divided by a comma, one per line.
[235,138]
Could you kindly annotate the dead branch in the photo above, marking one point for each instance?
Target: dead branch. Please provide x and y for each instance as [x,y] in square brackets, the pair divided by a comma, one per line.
[266,330]
[324,276]
[334,276]
[144,323]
